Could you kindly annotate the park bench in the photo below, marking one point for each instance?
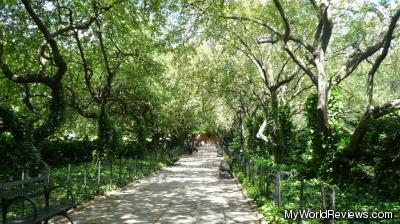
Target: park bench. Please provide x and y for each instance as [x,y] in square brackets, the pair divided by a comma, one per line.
[32,201]
[225,169]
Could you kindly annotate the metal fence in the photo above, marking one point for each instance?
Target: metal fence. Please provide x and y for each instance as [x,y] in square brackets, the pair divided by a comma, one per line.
[88,179]
[291,191]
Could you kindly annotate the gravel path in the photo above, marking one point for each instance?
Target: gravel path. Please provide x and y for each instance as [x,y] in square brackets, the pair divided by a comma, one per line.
[188,192]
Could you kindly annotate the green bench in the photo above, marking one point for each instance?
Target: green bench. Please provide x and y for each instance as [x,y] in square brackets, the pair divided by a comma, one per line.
[32,201]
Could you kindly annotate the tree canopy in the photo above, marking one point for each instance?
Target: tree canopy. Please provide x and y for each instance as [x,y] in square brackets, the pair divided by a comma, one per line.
[312,85]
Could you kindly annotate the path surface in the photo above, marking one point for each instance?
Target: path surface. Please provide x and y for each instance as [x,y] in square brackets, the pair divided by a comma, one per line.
[188,192]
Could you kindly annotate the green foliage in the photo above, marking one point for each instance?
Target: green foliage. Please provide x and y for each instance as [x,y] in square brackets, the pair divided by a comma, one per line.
[57,153]
[16,144]
[287,132]
[8,168]
[326,150]
[317,142]
[107,140]
[252,191]
[379,164]
[61,152]
[271,213]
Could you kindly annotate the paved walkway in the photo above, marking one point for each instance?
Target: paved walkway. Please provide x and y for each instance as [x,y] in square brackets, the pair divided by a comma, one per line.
[188,192]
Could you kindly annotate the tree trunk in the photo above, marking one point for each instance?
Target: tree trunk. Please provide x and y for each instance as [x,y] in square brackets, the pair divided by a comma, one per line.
[323,94]
[358,135]
[280,151]
[57,114]
[105,130]
[362,127]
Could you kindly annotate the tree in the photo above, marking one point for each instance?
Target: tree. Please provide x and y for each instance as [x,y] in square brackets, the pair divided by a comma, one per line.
[317,52]
[46,70]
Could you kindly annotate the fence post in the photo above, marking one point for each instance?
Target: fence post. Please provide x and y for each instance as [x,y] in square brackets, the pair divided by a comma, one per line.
[234,161]
[302,194]
[267,180]
[146,165]
[259,175]
[98,176]
[278,189]
[240,164]
[246,166]
[155,160]
[159,159]
[111,171]
[22,186]
[49,176]
[85,177]
[251,171]
[243,165]
[69,175]
[333,198]
[323,196]
[301,197]
[253,175]
[120,169]
[246,162]
[153,167]
[150,161]
[129,167]
[136,166]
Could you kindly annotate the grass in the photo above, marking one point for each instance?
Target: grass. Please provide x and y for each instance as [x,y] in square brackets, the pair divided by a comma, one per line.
[113,175]
[257,189]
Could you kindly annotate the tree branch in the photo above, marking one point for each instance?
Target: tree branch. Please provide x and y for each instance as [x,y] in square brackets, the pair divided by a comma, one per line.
[86,24]
[58,59]
[287,79]
[289,49]
[87,70]
[357,58]
[260,132]
[387,41]
[75,105]
[274,31]
[385,109]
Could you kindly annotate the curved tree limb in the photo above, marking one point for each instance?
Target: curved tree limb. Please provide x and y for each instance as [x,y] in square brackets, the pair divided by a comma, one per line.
[260,133]
[288,47]
[75,105]
[88,73]
[379,111]
[86,24]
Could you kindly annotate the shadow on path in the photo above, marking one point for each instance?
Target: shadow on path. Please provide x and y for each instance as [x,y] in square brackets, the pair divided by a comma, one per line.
[188,192]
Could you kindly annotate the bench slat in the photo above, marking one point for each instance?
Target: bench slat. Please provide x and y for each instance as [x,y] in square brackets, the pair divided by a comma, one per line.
[8,195]
[36,190]
[18,183]
[28,190]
